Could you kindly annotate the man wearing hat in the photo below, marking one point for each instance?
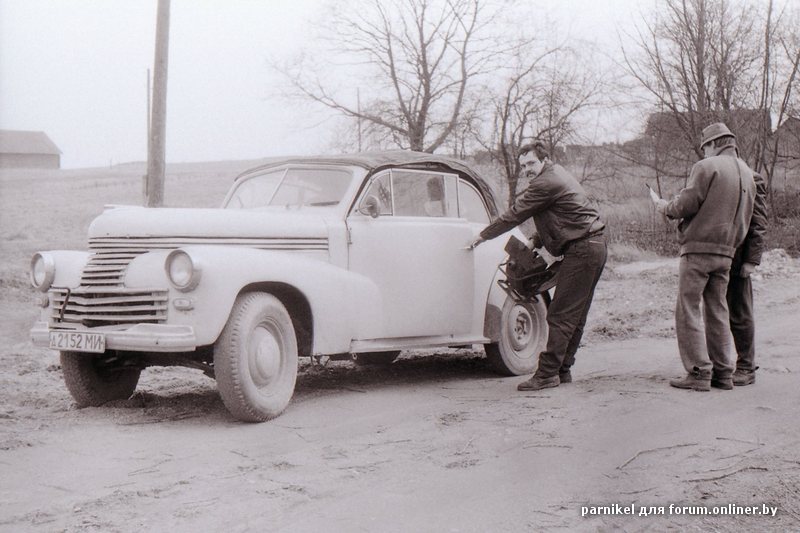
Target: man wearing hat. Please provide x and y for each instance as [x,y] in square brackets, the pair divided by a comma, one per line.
[714,210]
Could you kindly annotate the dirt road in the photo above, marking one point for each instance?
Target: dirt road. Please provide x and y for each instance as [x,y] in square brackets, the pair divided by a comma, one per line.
[431,443]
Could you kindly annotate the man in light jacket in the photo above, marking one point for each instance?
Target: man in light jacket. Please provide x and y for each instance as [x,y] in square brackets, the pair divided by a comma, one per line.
[715,211]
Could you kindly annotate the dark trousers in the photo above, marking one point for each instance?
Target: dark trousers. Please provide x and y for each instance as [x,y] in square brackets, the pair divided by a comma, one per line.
[740,307]
[578,275]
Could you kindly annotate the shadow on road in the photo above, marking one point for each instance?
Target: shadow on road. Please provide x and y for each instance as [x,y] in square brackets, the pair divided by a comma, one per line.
[438,367]
[194,396]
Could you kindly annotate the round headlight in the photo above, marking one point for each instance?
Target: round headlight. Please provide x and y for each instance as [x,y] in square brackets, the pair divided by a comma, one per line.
[43,271]
[183,272]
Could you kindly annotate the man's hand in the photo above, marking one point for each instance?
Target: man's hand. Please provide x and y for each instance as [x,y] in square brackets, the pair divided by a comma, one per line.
[474,244]
[746,270]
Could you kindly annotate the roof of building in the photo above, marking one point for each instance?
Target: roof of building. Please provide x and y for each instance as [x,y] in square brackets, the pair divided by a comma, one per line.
[26,142]
[790,123]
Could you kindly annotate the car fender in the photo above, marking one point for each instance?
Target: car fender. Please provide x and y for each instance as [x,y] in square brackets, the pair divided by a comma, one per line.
[344,305]
[494,309]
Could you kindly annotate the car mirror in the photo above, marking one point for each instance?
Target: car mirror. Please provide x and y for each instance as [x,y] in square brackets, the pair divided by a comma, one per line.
[370,206]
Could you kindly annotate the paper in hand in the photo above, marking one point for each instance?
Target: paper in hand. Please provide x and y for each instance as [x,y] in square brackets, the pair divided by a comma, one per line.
[653,196]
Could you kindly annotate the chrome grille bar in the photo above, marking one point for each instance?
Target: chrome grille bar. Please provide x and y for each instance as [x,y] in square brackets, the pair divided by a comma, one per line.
[100,306]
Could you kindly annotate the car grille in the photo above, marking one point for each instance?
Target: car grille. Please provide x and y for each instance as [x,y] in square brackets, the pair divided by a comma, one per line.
[106,306]
[111,256]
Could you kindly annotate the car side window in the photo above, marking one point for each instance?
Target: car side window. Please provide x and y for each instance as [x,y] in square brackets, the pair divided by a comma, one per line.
[422,194]
[471,204]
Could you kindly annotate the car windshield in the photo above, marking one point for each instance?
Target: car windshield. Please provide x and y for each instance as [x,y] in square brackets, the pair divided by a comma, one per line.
[292,187]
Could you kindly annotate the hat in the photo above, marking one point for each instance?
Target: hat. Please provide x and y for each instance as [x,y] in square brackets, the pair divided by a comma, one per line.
[715,131]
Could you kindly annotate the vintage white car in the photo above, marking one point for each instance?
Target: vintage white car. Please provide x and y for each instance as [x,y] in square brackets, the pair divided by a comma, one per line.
[344,256]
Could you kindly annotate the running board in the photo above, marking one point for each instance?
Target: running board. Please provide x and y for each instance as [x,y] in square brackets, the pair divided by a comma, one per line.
[404,343]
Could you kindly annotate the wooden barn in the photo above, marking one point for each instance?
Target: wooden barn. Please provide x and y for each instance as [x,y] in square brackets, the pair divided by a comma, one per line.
[28,149]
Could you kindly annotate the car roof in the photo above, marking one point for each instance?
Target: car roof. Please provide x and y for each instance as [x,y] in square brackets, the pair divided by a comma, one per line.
[378,160]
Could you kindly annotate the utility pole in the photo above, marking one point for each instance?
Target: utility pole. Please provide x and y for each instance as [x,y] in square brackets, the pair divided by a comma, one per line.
[149,107]
[358,104]
[158,114]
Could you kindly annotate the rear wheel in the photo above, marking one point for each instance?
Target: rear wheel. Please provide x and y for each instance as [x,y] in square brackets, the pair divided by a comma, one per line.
[95,379]
[523,334]
[255,358]
[374,358]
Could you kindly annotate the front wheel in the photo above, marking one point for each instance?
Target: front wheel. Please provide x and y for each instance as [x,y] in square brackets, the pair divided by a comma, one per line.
[523,334]
[95,379]
[255,358]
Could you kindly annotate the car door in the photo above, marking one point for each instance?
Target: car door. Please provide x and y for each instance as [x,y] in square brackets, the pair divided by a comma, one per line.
[414,251]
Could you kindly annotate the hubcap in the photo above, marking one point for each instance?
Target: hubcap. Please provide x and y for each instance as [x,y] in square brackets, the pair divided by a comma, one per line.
[520,327]
[264,355]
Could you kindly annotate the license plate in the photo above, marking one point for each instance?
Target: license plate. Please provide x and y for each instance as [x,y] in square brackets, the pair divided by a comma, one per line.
[77,341]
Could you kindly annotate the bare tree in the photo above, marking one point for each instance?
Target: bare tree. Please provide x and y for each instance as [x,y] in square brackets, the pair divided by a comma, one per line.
[707,60]
[540,97]
[513,109]
[690,58]
[779,86]
[420,57]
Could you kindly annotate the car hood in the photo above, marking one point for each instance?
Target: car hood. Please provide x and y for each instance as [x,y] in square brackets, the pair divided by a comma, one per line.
[130,221]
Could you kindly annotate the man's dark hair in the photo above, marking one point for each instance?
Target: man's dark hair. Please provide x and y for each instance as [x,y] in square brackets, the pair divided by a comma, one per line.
[537,147]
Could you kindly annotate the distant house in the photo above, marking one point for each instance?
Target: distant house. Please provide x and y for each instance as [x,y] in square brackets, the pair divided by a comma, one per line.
[788,135]
[575,153]
[682,131]
[28,149]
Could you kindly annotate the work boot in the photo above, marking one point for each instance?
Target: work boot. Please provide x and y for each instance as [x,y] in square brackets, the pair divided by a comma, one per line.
[564,376]
[538,383]
[722,383]
[744,377]
[693,380]
[719,382]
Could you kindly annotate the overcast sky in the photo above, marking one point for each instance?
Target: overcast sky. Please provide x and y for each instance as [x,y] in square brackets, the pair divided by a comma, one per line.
[77,70]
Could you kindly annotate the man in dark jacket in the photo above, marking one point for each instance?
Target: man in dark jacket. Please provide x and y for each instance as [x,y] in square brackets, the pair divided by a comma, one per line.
[715,210]
[566,224]
[740,288]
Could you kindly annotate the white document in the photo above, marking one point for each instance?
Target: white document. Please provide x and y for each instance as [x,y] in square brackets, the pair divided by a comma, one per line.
[653,195]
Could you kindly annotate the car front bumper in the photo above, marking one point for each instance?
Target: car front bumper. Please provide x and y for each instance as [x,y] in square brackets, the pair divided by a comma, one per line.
[137,338]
